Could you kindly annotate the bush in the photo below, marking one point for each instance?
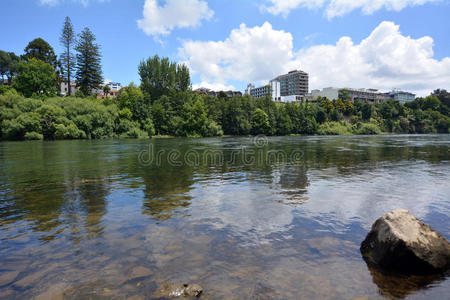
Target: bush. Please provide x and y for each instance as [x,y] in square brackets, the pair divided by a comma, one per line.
[79,94]
[136,133]
[335,128]
[368,128]
[7,89]
[33,136]
[214,129]
[148,127]
[70,131]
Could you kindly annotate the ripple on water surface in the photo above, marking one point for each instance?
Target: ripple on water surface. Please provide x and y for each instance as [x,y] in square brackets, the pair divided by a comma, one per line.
[86,219]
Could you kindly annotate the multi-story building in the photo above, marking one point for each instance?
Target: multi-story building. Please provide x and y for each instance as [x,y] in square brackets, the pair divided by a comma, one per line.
[366,95]
[293,83]
[329,93]
[260,91]
[401,96]
[273,89]
[249,88]
[115,86]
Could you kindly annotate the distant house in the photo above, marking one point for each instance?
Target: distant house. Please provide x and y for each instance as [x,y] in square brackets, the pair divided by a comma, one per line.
[65,88]
[114,86]
[401,96]
[110,94]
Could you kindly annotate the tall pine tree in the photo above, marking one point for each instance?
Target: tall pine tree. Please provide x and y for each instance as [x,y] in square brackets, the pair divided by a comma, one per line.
[67,40]
[89,69]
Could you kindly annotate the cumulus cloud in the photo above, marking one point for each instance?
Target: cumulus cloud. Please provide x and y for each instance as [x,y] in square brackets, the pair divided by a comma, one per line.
[161,20]
[335,8]
[247,54]
[284,7]
[386,59]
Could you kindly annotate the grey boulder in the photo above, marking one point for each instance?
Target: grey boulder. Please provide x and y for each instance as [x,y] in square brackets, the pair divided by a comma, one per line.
[399,241]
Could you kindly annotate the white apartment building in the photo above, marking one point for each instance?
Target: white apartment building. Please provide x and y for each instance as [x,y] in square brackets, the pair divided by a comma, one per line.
[329,92]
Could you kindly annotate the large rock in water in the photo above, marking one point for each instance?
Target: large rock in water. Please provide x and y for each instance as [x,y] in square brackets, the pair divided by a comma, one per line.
[399,241]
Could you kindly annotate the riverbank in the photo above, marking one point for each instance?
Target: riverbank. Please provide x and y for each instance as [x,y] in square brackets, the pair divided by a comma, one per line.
[186,114]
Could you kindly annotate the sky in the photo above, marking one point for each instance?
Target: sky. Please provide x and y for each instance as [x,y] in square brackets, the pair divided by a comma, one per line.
[381,44]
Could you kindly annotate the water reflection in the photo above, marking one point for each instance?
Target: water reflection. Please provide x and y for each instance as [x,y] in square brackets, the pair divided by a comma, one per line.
[85,218]
[400,285]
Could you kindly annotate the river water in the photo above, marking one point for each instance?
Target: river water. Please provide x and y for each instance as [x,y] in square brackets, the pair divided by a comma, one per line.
[260,218]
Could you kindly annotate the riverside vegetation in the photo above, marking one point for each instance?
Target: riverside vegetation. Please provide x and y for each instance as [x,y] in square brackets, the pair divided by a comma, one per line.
[134,114]
[164,103]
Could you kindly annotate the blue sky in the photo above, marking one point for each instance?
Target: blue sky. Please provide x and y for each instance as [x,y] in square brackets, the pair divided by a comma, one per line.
[380,44]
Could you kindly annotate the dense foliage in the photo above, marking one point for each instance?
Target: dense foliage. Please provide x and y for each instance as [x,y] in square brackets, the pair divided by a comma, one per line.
[184,113]
[159,76]
[35,77]
[8,65]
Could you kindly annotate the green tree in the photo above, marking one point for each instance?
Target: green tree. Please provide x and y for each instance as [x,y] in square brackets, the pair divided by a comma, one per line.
[8,65]
[88,66]
[344,95]
[183,79]
[443,96]
[5,62]
[366,110]
[195,120]
[431,102]
[131,97]
[40,49]
[339,105]
[35,77]
[67,58]
[106,90]
[159,76]
[260,122]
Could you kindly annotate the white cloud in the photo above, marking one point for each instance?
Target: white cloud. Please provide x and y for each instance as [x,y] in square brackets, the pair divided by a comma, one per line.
[284,7]
[161,20]
[213,86]
[386,59]
[342,7]
[335,8]
[247,54]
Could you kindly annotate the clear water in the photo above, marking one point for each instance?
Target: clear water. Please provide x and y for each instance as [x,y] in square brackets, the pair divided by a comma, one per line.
[260,218]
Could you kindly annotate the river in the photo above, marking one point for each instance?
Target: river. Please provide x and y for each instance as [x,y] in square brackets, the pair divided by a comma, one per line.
[244,217]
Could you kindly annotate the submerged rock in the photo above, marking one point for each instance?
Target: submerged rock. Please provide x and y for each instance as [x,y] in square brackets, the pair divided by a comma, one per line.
[399,241]
[174,290]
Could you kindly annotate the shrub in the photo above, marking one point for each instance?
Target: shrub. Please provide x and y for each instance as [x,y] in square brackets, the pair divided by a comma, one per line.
[69,131]
[213,129]
[33,136]
[335,128]
[136,133]
[79,94]
[149,127]
[368,128]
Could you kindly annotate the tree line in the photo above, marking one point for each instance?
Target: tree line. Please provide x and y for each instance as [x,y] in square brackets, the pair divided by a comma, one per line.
[39,72]
[165,105]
